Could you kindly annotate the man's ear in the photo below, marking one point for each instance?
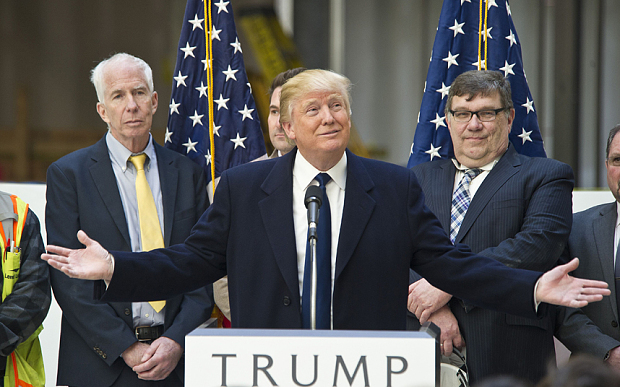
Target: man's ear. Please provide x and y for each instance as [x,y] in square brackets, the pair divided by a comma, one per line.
[154,101]
[511,118]
[102,112]
[288,129]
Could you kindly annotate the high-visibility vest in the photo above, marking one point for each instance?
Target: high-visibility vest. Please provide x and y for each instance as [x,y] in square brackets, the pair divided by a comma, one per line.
[24,367]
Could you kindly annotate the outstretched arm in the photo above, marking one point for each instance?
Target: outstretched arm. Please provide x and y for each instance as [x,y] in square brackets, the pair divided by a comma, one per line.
[554,287]
[91,263]
[557,287]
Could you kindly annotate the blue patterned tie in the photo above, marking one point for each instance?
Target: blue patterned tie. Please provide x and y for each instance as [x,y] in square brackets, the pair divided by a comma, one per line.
[460,202]
[324,266]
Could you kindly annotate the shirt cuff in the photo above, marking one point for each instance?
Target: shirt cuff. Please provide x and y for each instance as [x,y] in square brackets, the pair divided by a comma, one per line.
[536,302]
[107,283]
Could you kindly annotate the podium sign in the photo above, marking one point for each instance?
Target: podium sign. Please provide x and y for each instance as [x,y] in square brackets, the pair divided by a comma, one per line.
[248,357]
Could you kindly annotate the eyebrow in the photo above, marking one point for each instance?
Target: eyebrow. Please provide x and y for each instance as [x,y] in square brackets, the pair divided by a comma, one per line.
[462,108]
[309,102]
[141,87]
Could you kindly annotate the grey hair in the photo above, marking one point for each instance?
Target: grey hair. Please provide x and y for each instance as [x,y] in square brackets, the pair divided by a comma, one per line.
[97,74]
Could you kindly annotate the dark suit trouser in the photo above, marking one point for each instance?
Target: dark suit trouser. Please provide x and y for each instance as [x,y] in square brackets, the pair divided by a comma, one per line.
[479,330]
[477,334]
[129,378]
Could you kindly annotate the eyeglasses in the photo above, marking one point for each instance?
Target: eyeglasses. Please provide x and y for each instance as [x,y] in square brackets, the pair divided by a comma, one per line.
[483,115]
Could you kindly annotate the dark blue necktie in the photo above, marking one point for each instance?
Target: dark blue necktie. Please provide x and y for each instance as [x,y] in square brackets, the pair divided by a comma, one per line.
[617,277]
[324,265]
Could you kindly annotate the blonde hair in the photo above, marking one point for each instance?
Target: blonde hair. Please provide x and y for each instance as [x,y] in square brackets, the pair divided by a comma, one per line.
[311,81]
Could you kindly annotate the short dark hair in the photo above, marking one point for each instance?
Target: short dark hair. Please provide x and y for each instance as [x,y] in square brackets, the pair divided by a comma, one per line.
[476,83]
[610,139]
[284,76]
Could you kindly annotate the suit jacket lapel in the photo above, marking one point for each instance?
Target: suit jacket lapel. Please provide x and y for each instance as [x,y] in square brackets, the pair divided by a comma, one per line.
[105,181]
[440,194]
[603,228]
[506,167]
[358,206]
[276,213]
[168,177]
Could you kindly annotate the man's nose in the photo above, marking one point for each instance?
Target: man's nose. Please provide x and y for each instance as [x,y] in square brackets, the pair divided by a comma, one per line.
[326,115]
[131,103]
[474,123]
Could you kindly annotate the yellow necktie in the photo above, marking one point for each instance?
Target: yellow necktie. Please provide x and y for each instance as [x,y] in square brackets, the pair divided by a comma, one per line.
[150,230]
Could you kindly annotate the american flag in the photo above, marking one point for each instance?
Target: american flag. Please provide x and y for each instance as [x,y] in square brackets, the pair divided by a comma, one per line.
[455,51]
[237,133]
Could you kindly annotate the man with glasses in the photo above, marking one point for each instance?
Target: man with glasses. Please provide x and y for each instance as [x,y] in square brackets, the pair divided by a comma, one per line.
[505,206]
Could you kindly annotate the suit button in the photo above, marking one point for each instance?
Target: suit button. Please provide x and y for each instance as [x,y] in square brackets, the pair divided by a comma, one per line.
[614,324]
[127,312]
[287,301]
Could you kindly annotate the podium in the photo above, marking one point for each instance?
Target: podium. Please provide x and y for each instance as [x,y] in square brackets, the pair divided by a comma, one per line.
[252,357]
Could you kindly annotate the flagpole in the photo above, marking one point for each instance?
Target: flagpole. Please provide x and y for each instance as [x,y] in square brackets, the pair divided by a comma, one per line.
[209,57]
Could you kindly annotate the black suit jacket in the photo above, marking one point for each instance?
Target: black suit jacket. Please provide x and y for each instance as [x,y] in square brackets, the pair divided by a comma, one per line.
[592,241]
[248,233]
[82,193]
[521,216]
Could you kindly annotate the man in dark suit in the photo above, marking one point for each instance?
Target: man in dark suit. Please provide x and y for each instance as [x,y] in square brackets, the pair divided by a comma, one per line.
[520,215]
[280,141]
[256,232]
[594,239]
[94,189]
[281,146]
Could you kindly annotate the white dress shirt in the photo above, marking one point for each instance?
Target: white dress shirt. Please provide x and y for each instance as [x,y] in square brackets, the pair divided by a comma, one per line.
[303,176]
[477,181]
[617,232]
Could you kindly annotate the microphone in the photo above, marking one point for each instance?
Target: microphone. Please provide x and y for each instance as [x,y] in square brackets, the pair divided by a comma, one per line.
[313,201]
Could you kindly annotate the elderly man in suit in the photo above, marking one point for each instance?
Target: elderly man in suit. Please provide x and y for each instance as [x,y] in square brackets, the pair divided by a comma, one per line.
[594,239]
[377,227]
[519,214]
[101,190]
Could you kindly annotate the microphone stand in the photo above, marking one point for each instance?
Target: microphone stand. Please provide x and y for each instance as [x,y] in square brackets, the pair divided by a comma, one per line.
[313,284]
[313,201]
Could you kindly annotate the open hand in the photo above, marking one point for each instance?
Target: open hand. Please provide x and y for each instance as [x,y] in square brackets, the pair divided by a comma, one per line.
[559,288]
[92,263]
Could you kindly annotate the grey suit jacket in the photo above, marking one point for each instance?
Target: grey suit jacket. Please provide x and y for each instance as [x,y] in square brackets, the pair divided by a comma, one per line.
[592,241]
[82,194]
[521,216]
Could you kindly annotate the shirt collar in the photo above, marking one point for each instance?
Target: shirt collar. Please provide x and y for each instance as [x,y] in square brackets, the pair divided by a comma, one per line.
[304,172]
[618,214]
[486,168]
[120,155]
